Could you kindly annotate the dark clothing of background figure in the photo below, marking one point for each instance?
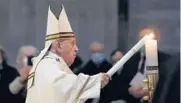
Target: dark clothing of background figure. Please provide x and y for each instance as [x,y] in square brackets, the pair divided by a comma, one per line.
[91,69]
[168,87]
[120,83]
[7,75]
[76,66]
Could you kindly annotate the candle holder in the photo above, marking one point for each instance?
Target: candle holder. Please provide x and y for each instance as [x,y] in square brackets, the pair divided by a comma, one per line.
[150,82]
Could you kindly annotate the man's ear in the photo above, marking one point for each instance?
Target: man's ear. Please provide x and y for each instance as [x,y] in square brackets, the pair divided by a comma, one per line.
[60,45]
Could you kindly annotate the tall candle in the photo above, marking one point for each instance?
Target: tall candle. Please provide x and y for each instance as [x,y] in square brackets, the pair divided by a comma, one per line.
[151,53]
[128,55]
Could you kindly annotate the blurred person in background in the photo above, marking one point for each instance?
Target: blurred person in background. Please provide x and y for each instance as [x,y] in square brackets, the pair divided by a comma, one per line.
[24,61]
[116,55]
[25,51]
[7,75]
[97,63]
[112,90]
[168,87]
[115,95]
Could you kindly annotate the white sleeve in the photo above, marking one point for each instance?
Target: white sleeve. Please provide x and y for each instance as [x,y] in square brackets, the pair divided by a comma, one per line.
[91,89]
[78,88]
[70,87]
[16,86]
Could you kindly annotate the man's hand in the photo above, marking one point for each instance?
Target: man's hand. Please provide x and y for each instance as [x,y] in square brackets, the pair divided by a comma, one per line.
[137,92]
[24,72]
[104,79]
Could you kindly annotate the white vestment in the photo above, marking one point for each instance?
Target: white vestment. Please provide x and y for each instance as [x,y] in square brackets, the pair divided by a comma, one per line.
[55,83]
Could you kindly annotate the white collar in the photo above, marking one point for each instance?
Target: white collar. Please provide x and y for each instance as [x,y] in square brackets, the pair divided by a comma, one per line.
[52,54]
[62,62]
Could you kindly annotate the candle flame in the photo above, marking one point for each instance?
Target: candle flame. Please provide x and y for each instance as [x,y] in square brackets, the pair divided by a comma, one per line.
[150,35]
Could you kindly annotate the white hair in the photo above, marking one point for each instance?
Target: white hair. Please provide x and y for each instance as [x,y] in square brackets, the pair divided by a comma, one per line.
[27,49]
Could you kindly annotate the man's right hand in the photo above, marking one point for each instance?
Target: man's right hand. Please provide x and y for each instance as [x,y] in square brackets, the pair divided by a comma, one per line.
[104,79]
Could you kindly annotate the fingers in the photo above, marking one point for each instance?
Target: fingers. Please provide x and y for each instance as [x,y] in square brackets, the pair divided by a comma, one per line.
[136,91]
[105,79]
[103,84]
[24,72]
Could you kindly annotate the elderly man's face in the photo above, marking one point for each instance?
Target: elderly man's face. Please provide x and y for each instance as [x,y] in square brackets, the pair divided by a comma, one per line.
[68,50]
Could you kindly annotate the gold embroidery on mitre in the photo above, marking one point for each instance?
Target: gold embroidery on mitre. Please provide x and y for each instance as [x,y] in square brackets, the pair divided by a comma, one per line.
[60,35]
